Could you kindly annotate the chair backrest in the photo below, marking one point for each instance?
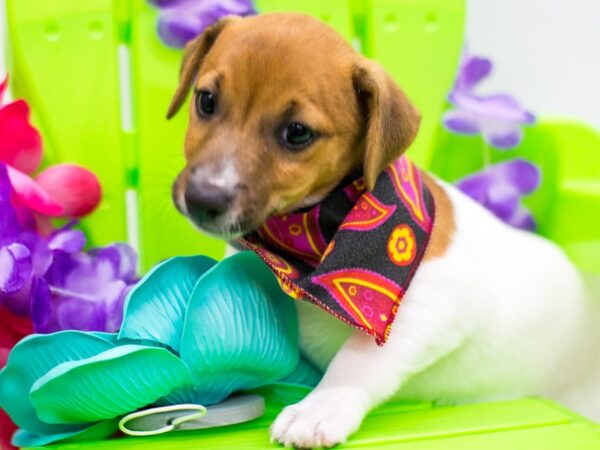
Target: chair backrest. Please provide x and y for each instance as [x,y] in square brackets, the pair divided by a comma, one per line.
[99,82]
[567,204]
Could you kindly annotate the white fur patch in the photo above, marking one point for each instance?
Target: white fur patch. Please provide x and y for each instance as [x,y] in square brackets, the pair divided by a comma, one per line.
[503,314]
[224,176]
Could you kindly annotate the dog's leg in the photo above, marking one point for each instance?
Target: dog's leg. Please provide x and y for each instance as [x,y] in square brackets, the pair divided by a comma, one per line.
[363,375]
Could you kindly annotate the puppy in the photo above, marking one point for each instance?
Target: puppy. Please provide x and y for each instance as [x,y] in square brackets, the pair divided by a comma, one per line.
[283,112]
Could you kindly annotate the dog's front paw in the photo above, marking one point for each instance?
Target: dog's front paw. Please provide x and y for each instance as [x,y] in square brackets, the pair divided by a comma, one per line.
[323,419]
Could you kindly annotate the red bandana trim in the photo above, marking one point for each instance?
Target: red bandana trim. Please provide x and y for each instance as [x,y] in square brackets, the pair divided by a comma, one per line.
[356,252]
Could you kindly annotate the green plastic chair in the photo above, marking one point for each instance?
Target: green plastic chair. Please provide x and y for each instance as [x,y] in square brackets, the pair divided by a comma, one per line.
[99,82]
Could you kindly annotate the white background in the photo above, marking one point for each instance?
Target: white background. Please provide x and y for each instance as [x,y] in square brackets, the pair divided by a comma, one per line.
[545,52]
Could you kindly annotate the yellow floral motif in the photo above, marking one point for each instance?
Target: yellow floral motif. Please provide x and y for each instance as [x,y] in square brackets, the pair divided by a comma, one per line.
[360,184]
[295,229]
[402,246]
[285,288]
[328,250]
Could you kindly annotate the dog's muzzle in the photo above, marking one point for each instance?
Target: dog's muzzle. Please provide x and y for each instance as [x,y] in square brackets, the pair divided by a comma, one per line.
[205,201]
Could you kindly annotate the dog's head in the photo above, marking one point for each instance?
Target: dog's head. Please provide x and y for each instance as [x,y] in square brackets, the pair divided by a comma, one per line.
[283,110]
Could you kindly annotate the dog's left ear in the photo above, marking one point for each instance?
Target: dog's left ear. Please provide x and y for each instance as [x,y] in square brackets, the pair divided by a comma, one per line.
[392,120]
[195,51]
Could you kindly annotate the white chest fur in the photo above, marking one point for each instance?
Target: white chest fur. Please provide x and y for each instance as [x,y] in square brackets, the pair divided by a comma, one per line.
[502,314]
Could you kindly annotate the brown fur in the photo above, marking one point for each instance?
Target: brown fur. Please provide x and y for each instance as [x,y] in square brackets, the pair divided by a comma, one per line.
[268,71]
[444,225]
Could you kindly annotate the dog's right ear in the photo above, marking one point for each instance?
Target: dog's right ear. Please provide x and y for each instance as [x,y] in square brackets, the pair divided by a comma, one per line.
[195,51]
[392,120]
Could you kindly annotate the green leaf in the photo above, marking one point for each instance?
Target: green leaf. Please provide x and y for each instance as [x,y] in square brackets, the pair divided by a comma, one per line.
[31,359]
[115,382]
[155,307]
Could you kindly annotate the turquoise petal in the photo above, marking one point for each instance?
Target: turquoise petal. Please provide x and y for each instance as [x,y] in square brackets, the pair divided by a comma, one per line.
[155,307]
[110,337]
[240,330]
[305,374]
[32,358]
[115,382]
[100,430]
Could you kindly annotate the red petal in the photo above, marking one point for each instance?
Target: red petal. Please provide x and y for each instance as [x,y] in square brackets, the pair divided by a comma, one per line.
[44,225]
[12,329]
[32,195]
[3,88]
[7,428]
[74,187]
[21,144]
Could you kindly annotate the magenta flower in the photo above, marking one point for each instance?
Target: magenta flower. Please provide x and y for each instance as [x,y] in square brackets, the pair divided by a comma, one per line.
[500,188]
[62,190]
[54,281]
[182,20]
[498,118]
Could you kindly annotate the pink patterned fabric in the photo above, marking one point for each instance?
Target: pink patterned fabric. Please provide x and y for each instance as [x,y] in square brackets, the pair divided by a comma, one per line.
[355,253]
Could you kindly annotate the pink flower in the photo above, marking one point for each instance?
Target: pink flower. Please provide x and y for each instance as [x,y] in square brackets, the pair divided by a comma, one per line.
[20,143]
[62,190]
[74,187]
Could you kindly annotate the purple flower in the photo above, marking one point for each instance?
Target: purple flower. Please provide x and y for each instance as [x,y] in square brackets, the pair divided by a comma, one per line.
[24,258]
[87,289]
[497,117]
[182,20]
[15,260]
[54,281]
[500,187]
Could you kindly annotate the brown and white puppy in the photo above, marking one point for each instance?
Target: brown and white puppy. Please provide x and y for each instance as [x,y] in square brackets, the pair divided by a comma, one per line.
[283,110]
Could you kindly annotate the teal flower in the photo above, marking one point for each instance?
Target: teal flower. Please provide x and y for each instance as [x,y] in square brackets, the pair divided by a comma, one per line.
[194,331]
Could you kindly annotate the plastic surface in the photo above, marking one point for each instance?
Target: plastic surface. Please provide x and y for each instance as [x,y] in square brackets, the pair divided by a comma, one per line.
[567,204]
[238,409]
[233,327]
[65,61]
[155,308]
[107,385]
[240,331]
[99,81]
[528,424]
[230,324]
[101,430]
[30,361]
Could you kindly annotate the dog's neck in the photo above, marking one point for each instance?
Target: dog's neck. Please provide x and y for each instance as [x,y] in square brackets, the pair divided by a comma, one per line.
[355,253]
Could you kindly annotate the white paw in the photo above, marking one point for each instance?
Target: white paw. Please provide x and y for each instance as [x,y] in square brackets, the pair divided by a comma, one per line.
[323,419]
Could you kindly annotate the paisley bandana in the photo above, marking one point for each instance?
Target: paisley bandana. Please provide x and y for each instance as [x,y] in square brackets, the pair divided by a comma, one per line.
[355,253]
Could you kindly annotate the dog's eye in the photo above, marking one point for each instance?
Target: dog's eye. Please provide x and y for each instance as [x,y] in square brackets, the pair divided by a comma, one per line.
[205,103]
[297,136]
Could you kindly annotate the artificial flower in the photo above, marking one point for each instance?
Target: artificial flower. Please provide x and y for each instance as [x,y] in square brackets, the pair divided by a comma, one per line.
[182,20]
[75,188]
[52,280]
[170,350]
[20,143]
[500,188]
[498,118]
[24,257]
[12,329]
[64,190]
[7,429]
[87,290]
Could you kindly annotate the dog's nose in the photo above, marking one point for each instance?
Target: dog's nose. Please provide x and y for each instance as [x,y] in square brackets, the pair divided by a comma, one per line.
[206,201]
